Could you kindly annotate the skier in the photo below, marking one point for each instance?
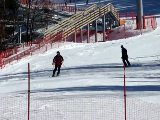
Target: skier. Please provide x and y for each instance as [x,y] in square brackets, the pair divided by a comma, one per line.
[65,1]
[125,57]
[58,60]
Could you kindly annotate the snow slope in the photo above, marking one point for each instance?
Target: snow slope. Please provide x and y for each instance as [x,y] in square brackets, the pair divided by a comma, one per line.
[89,69]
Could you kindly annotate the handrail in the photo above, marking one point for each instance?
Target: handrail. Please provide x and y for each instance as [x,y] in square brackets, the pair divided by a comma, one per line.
[59,27]
[81,19]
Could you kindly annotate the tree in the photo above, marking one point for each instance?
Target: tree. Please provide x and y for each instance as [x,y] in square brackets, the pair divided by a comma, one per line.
[8,10]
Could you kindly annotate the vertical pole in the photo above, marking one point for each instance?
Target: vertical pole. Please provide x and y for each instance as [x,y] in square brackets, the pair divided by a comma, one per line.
[88,39]
[46,43]
[4,22]
[124,31]
[86,2]
[65,37]
[81,31]
[96,31]
[126,15]
[1,59]
[132,16]
[125,94]
[30,49]
[28,15]
[23,46]
[108,31]
[75,7]
[51,40]
[58,39]
[39,47]
[140,13]
[137,22]
[20,35]
[75,36]
[104,24]
[124,82]
[28,91]
[144,22]
[17,57]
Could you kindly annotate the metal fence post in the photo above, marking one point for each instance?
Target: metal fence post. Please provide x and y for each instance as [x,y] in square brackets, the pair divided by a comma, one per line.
[28,91]
[125,94]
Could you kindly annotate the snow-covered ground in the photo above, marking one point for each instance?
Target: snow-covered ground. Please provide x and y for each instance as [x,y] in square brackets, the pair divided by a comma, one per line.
[90,86]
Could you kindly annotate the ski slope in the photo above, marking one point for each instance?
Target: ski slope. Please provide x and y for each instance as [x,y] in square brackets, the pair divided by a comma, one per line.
[89,69]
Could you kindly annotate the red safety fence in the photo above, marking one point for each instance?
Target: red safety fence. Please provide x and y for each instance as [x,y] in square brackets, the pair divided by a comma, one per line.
[42,45]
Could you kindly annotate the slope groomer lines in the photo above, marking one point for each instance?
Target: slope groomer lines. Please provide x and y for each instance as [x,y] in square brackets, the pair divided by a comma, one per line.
[81,19]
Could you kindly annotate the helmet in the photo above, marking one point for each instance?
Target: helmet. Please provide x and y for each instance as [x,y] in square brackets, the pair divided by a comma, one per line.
[58,52]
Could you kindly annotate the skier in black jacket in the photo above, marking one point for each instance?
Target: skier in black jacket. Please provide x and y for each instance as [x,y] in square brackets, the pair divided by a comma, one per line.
[125,57]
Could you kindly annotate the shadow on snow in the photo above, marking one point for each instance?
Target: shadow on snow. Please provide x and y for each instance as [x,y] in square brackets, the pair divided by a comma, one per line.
[113,67]
[100,88]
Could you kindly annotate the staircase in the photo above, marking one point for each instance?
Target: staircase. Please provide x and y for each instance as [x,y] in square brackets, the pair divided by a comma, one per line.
[81,19]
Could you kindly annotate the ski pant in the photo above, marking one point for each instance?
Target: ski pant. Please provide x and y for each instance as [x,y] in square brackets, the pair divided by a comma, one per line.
[126,62]
[55,69]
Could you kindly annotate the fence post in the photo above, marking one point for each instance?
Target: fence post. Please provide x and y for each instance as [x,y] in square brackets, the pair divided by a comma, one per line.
[126,15]
[124,31]
[95,30]
[104,28]
[144,22]
[108,31]
[51,40]
[147,20]
[30,50]
[81,34]
[151,22]
[88,38]
[1,63]
[75,36]
[28,91]
[125,94]
[58,39]
[137,22]
[39,46]
[132,16]
[45,40]
[17,57]
[155,21]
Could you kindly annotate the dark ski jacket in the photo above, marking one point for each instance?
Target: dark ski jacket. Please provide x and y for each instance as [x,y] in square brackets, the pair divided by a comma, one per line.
[58,60]
[124,53]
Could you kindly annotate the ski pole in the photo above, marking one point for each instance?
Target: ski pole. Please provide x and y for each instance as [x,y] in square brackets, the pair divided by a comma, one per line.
[66,69]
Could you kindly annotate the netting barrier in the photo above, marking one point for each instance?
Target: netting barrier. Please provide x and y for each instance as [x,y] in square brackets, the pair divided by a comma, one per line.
[14,107]
[47,106]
